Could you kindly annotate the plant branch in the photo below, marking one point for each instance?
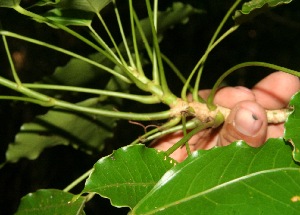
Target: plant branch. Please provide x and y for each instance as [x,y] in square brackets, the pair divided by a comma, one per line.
[184,89]
[186,138]
[12,66]
[242,65]
[168,125]
[78,180]
[51,102]
[139,98]
[72,54]
[132,64]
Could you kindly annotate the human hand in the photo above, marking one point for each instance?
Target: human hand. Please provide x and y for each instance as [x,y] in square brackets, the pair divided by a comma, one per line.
[247,120]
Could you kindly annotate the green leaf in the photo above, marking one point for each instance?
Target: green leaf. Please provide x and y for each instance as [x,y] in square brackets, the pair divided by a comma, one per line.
[128,174]
[235,179]
[72,12]
[255,7]
[49,202]
[292,126]
[69,17]
[9,3]
[82,5]
[62,127]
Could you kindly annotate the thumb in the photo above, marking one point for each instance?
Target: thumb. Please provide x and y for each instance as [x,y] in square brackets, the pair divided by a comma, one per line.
[247,121]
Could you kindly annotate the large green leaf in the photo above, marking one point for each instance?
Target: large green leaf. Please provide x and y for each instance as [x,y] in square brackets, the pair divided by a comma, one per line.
[62,127]
[128,174]
[253,8]
[235,179]
[83,5]
[9,3]
[292,126]
[50,202]
[72,12]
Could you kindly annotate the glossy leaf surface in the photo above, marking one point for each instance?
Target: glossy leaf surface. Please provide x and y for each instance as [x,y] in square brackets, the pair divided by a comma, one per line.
[128,174]
[235,179]
[253,8]
[292,126]
[49,202]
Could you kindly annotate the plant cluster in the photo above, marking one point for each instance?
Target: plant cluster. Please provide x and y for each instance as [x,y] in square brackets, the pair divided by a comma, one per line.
[261,179]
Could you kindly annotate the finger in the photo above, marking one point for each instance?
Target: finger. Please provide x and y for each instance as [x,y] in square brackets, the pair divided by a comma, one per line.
[275,90]
[230,96]
[247,121]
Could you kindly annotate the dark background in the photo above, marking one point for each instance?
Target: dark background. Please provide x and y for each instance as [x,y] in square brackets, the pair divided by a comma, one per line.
[273,37]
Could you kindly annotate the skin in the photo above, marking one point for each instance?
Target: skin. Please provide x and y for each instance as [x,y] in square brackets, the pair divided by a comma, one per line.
[247,119]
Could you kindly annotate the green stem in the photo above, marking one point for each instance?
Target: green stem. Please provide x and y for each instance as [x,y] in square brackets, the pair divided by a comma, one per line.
[143,36]
[209,49]
[184,89]
[224,20]
[159,71]
[187,146]
[191,124]
[115,114]
[123,35]
[72,54]
[242,65]
[12,66]
[110,36]
[25,99]
[175,70]
[204,57]
[139,98]
[134,40]
[189,136]
[105,46]
[167,125]
[49,101]
[78,180]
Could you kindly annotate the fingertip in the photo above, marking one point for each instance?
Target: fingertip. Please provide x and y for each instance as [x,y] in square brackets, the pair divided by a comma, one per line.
[247,121]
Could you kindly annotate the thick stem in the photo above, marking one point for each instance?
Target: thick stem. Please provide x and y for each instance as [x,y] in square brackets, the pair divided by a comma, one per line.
[204,114]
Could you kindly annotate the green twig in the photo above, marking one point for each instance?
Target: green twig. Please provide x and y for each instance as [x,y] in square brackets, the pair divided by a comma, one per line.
[175,70]
[187,146]
[78,180]
[139,98]
[49,101]
[134,40]
[25,99]
[201,62]
[12,66]
[186,138]
[105,46]
[184,89]
[143,36]
[72,54]
[191,124]
[159,71]
[242,65]
[170,124]
[209,49]
[132,64]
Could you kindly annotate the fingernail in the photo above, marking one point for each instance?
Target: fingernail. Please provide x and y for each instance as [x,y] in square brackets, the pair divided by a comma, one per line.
[247,122]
